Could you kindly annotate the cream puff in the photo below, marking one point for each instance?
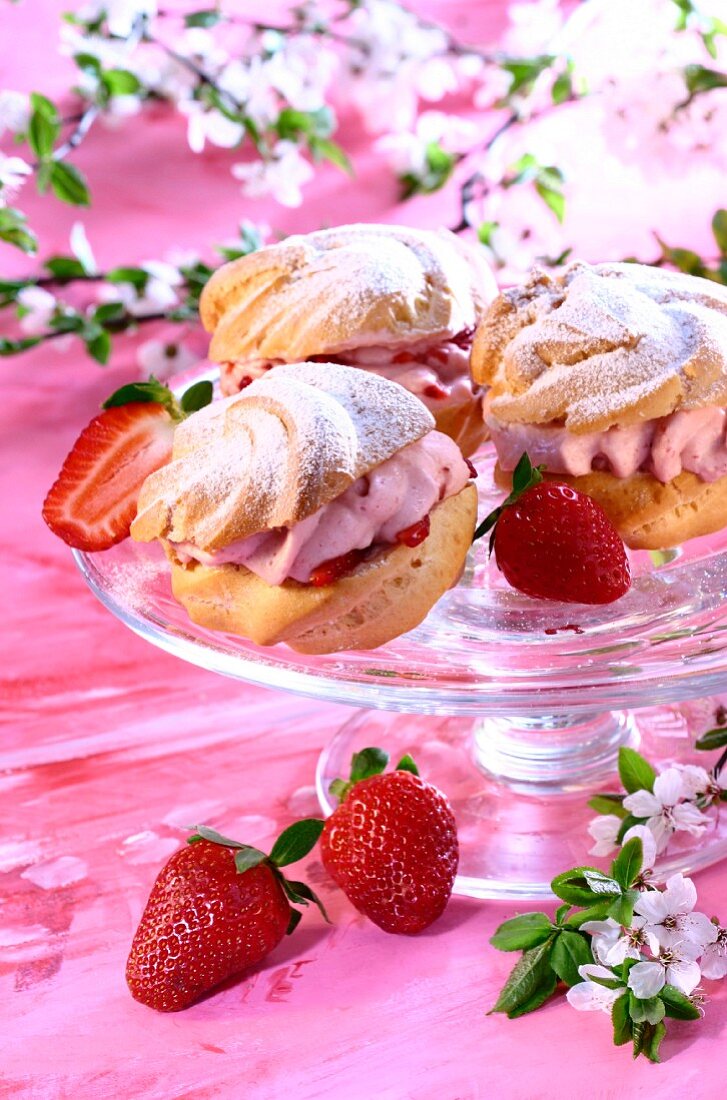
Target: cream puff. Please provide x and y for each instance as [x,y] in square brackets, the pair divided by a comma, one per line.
[614,378]
[318,507]
[402,303]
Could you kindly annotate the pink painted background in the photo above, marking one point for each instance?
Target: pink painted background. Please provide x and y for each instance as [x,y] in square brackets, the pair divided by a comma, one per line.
[109,747]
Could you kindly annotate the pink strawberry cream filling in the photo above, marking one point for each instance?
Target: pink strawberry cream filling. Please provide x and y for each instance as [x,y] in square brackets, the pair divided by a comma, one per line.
[437,373]
[373,510]
[691,439]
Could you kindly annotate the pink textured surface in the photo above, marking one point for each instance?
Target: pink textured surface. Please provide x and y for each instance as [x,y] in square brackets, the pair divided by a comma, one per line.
[109,748]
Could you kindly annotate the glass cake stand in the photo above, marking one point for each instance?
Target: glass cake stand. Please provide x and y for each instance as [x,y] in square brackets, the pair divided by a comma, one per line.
[514,707]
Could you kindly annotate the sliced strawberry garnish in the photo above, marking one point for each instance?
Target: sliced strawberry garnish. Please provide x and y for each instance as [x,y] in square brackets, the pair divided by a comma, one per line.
[93,502]
[335,568]
[414,535]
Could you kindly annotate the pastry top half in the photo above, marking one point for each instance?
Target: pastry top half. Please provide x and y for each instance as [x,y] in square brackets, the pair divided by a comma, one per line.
[275,453]
[342,288]
[601,345]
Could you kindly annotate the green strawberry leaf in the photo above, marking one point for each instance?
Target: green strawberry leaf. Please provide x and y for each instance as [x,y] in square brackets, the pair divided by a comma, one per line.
[636,773]
[627,864]
[295,842]
[406,764]
[301,894]
[201,832]
[530,974]
[197,396]
[151,391]
[366,763]
[524,476]
[622,1030]
[677,1004]
[245,858]
[295,918]
[523,932]
[570,950]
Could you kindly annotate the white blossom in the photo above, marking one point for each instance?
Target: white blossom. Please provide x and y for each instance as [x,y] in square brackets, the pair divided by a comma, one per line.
[163,360]
[301,71]
[699,783]
[664,809]
[282,176]
[533,26]
[248,83]
[612,944]
[406,152]
[604,829]
[13,173]
[121,15]
[14,111]
[38,306]
[713,962]
[673,965]
[590,996]
[669,914]
[158,295]
[81,249]
[208,125]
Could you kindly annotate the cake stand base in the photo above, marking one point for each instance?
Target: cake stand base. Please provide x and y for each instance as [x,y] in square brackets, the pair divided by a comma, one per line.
[520,788]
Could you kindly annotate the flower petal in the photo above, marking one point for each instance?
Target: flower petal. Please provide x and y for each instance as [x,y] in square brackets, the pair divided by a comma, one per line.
[713,963]
[642,804]
[648,842]
[652,904]
[669,787]
[684,975]
[680,894]
[697,928]
[589,997]
[646,979]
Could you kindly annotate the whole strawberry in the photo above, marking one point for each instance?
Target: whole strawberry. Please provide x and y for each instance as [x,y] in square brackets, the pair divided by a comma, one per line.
[555,543]
[391,844]
[216,908]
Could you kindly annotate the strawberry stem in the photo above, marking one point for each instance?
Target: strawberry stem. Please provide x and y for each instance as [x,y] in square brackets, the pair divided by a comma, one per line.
[524,476]
[364,764]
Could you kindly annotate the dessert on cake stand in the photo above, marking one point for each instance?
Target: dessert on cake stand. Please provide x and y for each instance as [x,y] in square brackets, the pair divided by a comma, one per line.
[515,707]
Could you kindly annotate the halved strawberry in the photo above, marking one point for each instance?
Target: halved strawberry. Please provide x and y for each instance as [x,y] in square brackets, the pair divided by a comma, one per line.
[93,502]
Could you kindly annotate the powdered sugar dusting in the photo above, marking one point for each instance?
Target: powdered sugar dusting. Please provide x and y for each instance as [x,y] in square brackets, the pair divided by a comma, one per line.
[614,343]
[274,454]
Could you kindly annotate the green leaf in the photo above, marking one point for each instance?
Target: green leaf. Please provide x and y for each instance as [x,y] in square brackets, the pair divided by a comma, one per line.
[120,82]
[570,950]
[300,893]
[208,18]
[439,167]
[368,762]
[712,739]
[628,863]
[136,276]
[602,884]
[562,89]
[622,909]
[628,823]
[202,832]
[608,804]
[553,199]
[599,911]
[292,123]
[653,1040]
[12,347]
[109,312]
[639,1034]
[295,918]
[530,974]
[719,229]
[523,932]
[541,995]
[296,841]
[151,391]
[573,887]
[14,230]
[649,1011]
[88,63]
[621,1020]
[245,858]
[560,913]
[406,764]
[636,773]
[485,231]
[65,267]
[197,396]
[325,149]
[525,71]
[678,1005]
[98,345]
[44,126]
[68,184]
[700,79]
